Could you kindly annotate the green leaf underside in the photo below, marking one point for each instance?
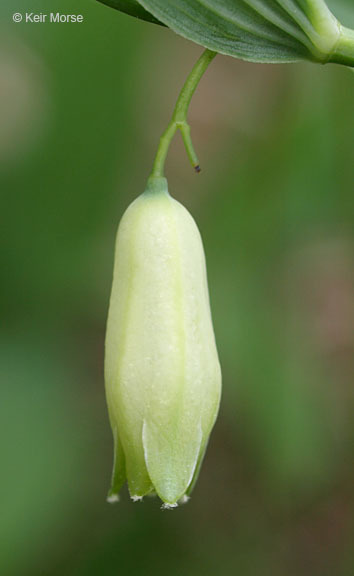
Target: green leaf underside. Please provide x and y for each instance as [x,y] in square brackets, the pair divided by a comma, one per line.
[256,30]
[131,7]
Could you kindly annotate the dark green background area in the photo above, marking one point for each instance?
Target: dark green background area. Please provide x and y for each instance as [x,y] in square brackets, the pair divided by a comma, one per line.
[81,110]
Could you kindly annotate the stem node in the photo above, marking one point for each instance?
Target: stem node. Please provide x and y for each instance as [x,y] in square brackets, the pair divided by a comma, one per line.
[179,118]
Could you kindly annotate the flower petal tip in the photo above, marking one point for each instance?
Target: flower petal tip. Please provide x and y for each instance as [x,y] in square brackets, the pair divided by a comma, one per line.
[136,498]
[167,506]
[112,498]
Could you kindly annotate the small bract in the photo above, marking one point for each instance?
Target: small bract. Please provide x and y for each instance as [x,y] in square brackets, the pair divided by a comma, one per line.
[162,372]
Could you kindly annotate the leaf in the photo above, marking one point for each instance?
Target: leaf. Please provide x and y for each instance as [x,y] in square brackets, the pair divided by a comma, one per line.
[131,7]
[256,30]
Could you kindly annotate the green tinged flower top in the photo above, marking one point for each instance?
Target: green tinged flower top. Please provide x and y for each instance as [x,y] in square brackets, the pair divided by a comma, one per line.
[162,372]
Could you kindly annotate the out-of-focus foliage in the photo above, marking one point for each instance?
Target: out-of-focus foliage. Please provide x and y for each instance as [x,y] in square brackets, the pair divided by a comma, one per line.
[84,106]
[343,10]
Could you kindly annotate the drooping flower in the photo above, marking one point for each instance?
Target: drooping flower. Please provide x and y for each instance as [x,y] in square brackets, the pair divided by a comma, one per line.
[162,372]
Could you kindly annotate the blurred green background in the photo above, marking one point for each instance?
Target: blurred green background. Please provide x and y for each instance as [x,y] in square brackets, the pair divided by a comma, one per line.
[82,107]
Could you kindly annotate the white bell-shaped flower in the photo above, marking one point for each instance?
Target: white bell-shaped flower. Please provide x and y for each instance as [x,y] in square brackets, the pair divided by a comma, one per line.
[162,372]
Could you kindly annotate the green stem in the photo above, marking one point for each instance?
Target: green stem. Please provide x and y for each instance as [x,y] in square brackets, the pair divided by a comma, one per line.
[179,118]
[344,49]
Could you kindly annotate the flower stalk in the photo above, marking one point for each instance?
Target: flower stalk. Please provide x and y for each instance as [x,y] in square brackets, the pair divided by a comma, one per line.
[179,118]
